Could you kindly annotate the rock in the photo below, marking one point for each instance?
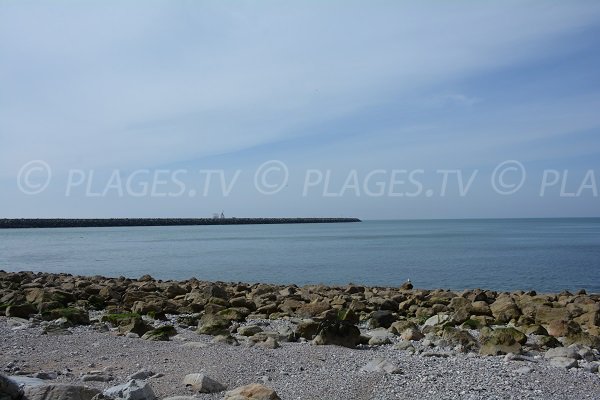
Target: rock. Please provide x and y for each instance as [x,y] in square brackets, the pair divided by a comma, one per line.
[501,341]
[460,338]
[202,383]
[504,309]
[9,389]
[412,333]
[225,339]
[235,313]
[270,343]
[381,319]
[436,320]
[254,391]
[404,345]
[249,330]
[59,392]
[312,309]
[406,285]
[142,374]
[347,315]
[337,333]
[564,362]
[211,324]
[560,328]
[379,337]
[381,365]
[562,352]
[307,329]
[160,334]
[400,326]
[545,314]
[132,390]
[134,324]
[20,311]
[96,376]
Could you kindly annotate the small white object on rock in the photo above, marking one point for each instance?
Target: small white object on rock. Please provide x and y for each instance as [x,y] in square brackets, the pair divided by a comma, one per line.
[132,390]
[381,365]
[202,383]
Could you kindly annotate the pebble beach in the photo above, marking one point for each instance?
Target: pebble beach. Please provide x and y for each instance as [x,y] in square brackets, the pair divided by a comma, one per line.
[125,338]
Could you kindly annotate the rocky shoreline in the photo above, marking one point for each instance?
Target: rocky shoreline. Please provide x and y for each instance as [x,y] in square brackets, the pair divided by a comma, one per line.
[84,337]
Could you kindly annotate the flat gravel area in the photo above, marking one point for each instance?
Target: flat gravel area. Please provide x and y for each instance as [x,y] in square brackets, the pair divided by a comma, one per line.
[294,371]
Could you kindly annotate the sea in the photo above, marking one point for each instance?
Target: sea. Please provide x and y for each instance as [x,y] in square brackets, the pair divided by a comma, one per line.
[546,255]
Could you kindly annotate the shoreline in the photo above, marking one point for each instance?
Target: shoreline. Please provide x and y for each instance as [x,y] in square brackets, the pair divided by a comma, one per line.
[32,223]
[310,342]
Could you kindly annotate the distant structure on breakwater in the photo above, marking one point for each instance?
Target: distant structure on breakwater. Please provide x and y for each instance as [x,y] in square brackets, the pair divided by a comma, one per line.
[114,222]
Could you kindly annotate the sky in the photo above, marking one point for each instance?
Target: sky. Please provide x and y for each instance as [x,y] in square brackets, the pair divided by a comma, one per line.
[378,110]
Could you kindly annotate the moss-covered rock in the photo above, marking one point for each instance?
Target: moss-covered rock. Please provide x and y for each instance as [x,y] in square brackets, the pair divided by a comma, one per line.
[160,334]
[501,341]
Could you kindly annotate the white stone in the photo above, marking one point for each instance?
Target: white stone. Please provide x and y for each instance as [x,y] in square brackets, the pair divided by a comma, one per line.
[132,390]
[202,383]
[564,362]
[436,320]
[381,365]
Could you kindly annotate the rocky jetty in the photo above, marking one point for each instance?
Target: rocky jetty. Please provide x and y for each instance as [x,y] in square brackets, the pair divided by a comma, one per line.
[381,337]
[115,222]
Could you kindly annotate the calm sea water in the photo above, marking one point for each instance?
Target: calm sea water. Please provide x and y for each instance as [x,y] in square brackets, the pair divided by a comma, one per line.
[540,254]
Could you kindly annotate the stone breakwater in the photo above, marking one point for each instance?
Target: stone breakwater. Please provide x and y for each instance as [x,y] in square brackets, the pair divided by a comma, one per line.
[115,222]
[536,332]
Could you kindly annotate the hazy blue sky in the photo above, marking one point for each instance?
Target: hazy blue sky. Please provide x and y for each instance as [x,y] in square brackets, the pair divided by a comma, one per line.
[339,86]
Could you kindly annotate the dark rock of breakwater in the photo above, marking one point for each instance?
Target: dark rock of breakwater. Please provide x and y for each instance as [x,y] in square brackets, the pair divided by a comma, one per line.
[112,222]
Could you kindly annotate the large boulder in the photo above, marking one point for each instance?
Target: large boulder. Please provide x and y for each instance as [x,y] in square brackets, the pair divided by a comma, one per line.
[254,391]
[505,309]
[132,390]
[59,392]
[9,389]
[501,341]
[337,333]
[545,314]
[213,324]
[381,319]
[202,383]
[20,311]
[160,334]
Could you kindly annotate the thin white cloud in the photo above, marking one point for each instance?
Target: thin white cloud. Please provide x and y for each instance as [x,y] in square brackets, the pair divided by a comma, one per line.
[141,84]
